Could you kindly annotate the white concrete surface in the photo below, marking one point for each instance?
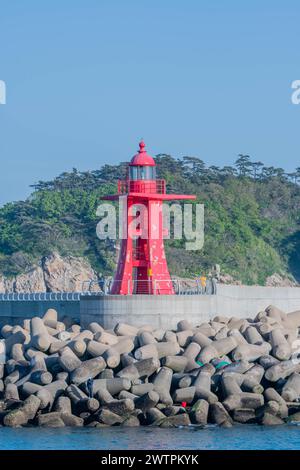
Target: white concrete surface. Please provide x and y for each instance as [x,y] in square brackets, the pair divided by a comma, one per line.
[166,311]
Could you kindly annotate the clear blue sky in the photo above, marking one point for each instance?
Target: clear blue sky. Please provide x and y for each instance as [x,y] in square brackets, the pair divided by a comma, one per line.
[86,79]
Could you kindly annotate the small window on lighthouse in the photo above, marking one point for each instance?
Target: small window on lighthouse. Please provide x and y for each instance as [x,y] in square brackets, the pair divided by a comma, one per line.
[134,173]
[142,173]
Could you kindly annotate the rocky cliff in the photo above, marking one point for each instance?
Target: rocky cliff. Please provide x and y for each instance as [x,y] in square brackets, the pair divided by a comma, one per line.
[53,274]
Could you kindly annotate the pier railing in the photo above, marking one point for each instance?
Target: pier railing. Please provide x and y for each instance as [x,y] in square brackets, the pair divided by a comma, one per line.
[103,287]
[152,287]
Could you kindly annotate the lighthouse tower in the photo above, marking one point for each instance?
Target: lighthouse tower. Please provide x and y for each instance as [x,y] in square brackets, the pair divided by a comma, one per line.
[142,266]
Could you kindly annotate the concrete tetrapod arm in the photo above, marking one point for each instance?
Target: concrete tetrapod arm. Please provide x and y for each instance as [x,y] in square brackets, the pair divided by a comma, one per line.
[62,376]
[292,320]
[231,383]
[141,389]
[11,392]
[78,347]
[113,386]
[103,396]
[181,380]
[49,393]
[40,338]
[106,338]
[17,353]
[220,415]
[217,349]
[191,353]
[206,329]
[280,346]
[199,412]
[87,370]
[127,360]
[170,336]
[184,337]
[243,400]
[266,325]
[162,385]
[184,395]
[29,388]
[125,394]
[143,368]
[201,339]
[63,405]
[157,350]
[183,325]
[80,400]
[291,389]
[252,379]
[16,375]
[38,372]
[250,352]
[41,377]
[202,384]
[154,416]
[50,420]
[276,313]
[24,413]
[272,395]
[68,360]
[123,329]
[57,346]
[95,327]
[240,367]
[147,401]
[121,407]
[216,326]
[6,331]
[146,337]
[108,418]
[268,361]
[238,336]
[16,338]
[253,336]
[281,370]
[176,363]
[112,355]
[96,349]
[244,415]
[50,318]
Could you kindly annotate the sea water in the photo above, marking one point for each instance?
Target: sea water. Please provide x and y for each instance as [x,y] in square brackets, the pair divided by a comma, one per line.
[239,437]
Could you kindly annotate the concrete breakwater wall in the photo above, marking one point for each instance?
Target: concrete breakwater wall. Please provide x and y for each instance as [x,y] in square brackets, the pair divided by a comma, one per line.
[14,312]
[166,311]
[159,311]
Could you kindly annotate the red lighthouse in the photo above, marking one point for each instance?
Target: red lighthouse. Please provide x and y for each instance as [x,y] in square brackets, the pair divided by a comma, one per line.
[142,266]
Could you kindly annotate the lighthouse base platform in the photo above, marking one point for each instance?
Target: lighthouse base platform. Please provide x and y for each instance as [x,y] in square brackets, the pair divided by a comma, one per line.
[164,311]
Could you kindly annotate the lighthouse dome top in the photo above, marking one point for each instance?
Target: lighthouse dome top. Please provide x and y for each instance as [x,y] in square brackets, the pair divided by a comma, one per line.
[142,158]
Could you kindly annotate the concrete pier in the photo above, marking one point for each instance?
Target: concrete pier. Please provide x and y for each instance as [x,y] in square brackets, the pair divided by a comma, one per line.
[162,311]
[14,312]
[165,311]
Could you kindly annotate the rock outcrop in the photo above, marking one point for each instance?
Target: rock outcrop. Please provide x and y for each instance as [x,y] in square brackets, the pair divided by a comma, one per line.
[31,281]
[53,274]
[276,280]
[67,274]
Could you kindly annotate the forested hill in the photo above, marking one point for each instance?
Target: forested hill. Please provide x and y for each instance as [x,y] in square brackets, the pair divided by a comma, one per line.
[252,223]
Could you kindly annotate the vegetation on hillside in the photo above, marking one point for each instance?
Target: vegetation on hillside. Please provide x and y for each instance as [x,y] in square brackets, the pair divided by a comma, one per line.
[252,223]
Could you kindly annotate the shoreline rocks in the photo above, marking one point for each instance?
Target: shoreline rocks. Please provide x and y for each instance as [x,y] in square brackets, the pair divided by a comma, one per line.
[222,372]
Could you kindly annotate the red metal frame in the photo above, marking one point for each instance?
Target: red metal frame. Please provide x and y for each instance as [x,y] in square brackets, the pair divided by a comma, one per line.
[142,266]
[140,186]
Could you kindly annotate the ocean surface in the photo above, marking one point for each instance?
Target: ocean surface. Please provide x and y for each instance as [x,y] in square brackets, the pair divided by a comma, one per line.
[240,437]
